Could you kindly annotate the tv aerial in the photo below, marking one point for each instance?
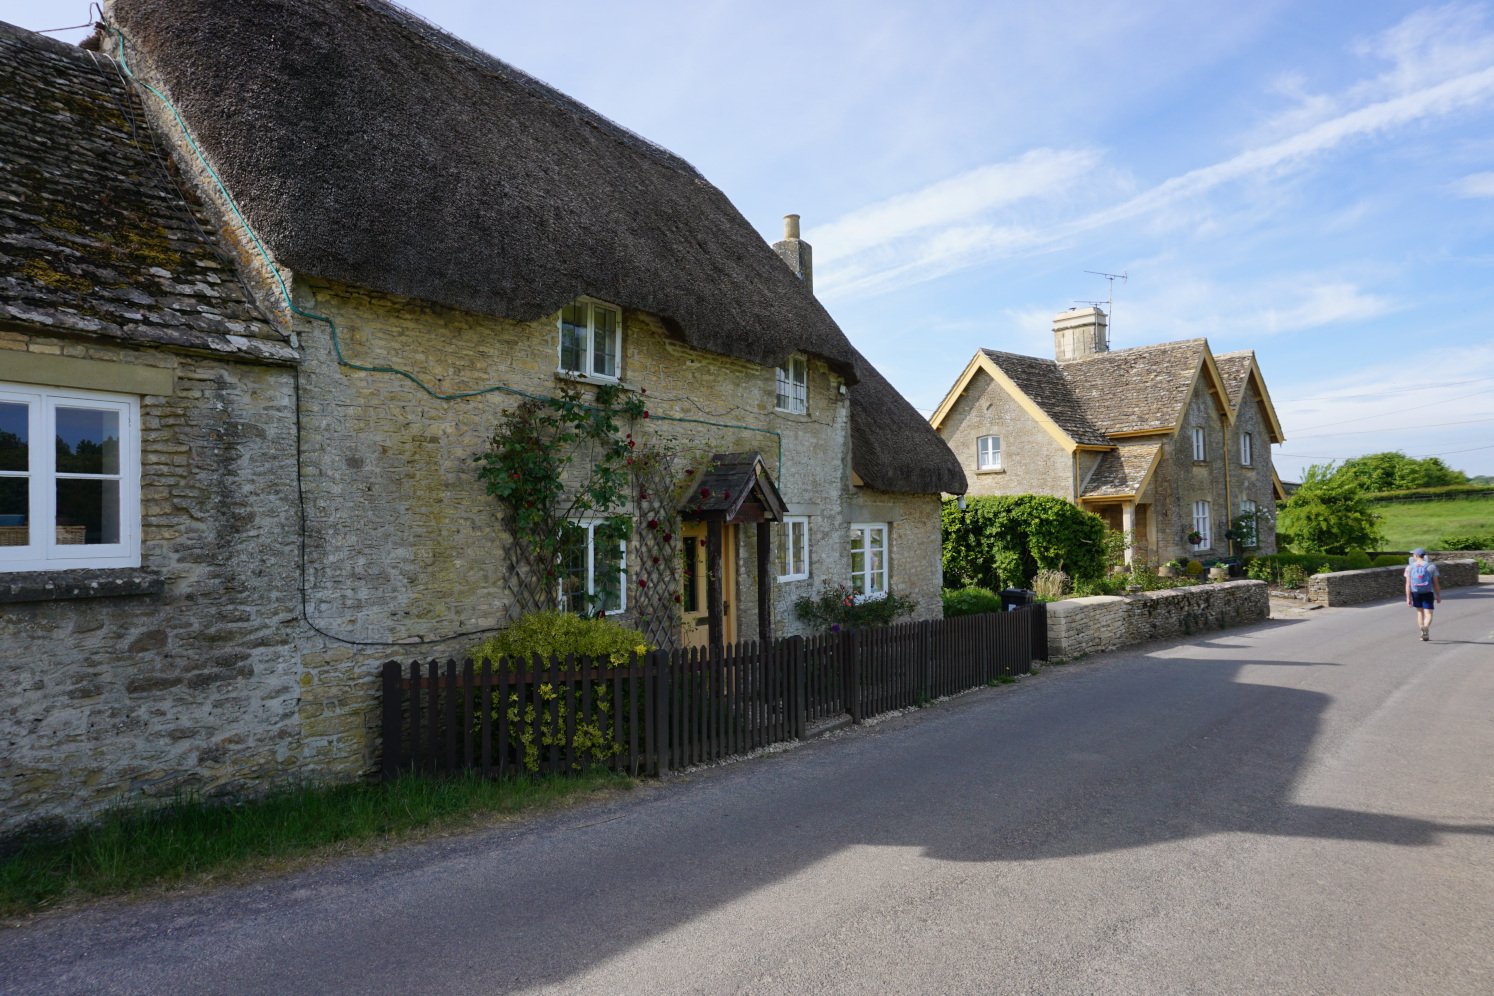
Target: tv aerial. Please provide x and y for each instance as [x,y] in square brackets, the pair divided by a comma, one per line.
[1109,301]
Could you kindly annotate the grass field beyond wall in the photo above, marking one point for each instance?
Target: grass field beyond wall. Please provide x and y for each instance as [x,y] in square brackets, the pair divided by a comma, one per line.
[1409,524]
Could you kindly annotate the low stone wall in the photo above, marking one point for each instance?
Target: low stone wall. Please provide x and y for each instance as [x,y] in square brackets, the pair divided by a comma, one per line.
[1079,626]
[1487,556]
[1375,583]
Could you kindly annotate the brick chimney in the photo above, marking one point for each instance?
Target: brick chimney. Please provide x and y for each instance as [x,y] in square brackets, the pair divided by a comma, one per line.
[1079,332]
[797,253]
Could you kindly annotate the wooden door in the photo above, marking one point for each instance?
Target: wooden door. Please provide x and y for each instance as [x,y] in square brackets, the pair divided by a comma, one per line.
[695,618]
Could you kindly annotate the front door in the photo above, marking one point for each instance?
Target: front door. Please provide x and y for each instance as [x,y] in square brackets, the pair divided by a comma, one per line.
[695,617]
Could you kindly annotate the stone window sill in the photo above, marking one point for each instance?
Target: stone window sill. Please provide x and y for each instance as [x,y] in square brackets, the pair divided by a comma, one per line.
[992,470]
[61,586]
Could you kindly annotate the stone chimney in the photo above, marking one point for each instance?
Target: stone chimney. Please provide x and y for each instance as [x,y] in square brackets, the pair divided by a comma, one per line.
[1079,332]
[797,253]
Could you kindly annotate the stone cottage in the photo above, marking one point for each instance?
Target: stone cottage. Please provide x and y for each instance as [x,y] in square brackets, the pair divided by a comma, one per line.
[1169,443]
[272,297]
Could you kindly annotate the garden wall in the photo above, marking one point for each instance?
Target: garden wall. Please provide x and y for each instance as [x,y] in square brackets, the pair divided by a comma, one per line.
[1078,626]
[1371,584]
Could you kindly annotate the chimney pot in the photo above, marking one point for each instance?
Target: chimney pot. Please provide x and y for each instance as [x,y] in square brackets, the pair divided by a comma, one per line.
[796,252]
[791,226]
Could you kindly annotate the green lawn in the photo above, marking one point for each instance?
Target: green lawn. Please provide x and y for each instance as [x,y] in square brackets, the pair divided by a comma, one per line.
[1410,524]
[193,843]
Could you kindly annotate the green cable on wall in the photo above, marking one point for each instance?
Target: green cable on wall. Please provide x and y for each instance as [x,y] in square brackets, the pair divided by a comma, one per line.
[332,325]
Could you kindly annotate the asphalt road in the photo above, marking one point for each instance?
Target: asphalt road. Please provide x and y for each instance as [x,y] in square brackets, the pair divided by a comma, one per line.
[1303,806]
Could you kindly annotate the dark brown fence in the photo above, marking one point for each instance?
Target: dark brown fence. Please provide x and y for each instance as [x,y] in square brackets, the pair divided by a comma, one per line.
[674,709]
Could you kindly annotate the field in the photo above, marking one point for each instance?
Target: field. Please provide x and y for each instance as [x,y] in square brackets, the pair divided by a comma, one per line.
[1410,524]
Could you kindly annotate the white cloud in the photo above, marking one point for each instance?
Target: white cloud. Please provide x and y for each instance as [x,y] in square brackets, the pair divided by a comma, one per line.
[1475,185]
[954,202]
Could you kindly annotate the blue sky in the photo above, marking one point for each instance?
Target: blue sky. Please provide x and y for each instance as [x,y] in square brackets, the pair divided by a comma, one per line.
[1314,181]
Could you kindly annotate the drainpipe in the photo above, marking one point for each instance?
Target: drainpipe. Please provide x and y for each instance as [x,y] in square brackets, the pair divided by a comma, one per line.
[1228,508]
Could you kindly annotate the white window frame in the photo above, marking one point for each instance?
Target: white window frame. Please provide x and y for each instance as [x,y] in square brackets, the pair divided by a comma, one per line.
[791,384]
[590,353]
[590,526]
[42,551]
[1200,445]
[793,550]
[1247,450]
[1249,509]
[873,536]
[988,453]
[1201,525]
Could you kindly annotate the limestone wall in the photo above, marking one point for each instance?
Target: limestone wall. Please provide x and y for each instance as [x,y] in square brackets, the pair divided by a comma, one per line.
[1032,461]
[1374,583]
[1080,626]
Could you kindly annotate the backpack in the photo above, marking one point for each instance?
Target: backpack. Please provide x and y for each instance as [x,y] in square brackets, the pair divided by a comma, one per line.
[1421,577]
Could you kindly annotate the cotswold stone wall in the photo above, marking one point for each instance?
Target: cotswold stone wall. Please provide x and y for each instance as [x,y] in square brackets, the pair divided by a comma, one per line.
[1080,626]
[186,674]
[1373,583]
[1032,461]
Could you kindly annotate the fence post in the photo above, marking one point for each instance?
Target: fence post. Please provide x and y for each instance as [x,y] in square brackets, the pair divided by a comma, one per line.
[925,661]
[392,713]
[851,647]
[797,690]
[659,666]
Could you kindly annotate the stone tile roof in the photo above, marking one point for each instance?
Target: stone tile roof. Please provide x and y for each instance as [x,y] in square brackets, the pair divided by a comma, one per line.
[1234,369]
[95,236]
[1122,471]
[1139,389]
[1047,385]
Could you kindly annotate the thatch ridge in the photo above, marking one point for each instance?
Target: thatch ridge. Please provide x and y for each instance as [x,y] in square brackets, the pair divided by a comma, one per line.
[893,447]
[367,147]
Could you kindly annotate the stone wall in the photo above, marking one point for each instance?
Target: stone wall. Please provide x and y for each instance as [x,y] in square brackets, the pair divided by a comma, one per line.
[1376,583]
[186,674]
[1032,461]
[1080,626]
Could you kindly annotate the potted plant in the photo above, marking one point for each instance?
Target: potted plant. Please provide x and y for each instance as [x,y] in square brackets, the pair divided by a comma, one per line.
[1194,537]
[1171,569]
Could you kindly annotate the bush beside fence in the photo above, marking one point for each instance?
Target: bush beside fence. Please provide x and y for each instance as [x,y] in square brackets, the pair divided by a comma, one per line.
[672,709]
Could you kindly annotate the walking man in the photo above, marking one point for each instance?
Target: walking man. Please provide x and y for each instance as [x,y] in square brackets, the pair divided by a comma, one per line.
[1423,590]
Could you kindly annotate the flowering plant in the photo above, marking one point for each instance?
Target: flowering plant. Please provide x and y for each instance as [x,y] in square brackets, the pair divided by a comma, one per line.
[1195,537]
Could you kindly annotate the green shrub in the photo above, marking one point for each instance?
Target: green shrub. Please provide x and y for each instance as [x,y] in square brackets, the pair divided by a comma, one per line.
[1389,560]
[838,606]
[1324,569]
[1260,569]
[1293,575]
[969,601]
[561,633]
[998,541]
[1194,568]
[1467,541]
[1358,560]
[1484,567]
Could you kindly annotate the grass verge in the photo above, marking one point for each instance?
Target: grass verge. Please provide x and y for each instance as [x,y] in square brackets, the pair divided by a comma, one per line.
[194,842]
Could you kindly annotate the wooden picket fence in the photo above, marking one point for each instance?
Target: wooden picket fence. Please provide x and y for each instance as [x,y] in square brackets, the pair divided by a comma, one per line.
[672,709]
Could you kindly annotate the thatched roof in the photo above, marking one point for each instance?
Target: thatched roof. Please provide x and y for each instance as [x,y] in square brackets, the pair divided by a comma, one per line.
[96,238]
[893,447]
[368,147]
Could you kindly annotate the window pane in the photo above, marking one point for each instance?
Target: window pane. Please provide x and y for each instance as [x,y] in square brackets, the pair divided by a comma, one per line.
[573,337]
[87,512]
[692,586]
[15,511]
[87,441]
[573,571]
[607,586]
[14,437]
[604,348]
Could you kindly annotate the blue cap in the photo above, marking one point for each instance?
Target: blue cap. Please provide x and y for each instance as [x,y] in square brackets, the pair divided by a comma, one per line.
[1419,552]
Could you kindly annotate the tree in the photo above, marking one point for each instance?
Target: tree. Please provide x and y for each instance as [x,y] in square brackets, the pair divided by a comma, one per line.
[1329,514]
[1004,540]
[1394,471]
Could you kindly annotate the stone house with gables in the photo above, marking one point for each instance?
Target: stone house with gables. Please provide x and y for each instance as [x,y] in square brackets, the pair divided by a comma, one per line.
[271,298]
[1163,442]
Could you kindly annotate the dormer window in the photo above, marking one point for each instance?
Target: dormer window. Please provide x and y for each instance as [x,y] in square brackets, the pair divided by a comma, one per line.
[591,340]
[793,386]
